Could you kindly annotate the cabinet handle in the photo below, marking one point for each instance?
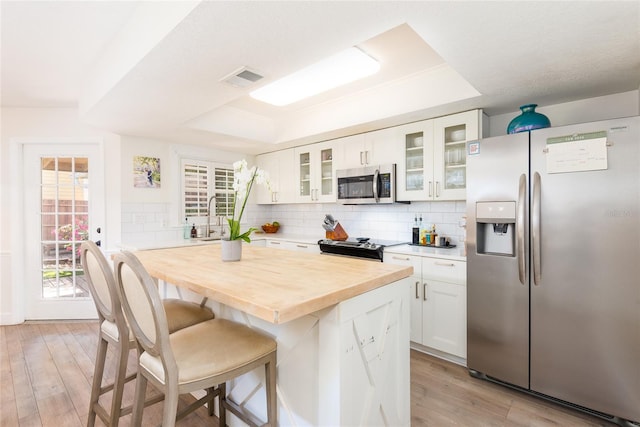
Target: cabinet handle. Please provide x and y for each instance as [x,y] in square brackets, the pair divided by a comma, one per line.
[417,296]
[400,258]
[437,188]
[366,157]
[445,264]
[274,243]
[424,290]
[430,188]
[302,246]
[361,158]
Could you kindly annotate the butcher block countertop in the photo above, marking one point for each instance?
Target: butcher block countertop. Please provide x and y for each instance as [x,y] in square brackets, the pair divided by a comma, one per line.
[276,287]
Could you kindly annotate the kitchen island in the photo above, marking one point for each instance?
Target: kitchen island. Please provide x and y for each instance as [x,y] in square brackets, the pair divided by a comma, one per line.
[341,325]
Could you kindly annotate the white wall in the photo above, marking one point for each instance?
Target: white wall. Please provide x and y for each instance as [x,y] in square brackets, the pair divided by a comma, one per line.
[618,105]
[46,124]
[152,215]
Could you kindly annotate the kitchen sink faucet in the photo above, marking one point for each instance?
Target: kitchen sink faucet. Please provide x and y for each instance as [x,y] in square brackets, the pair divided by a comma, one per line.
[218,218]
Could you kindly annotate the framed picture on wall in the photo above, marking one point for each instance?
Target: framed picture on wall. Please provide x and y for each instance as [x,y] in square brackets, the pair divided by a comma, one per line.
[146,172]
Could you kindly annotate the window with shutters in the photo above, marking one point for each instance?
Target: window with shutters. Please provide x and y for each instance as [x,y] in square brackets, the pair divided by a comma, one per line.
[203,180]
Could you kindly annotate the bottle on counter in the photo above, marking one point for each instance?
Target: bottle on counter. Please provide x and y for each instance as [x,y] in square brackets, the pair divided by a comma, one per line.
[423,232]
[415,231]
[434,236]
[186,232]
[194,232]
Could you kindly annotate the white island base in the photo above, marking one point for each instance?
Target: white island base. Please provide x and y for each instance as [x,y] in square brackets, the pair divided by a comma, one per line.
[347,365]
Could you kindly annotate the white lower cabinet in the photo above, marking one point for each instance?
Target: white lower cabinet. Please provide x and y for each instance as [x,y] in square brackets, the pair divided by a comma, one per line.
[438,302]
[292,246]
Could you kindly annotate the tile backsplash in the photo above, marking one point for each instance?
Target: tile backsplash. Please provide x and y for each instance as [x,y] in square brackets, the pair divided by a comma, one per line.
[148,223]
[385,222]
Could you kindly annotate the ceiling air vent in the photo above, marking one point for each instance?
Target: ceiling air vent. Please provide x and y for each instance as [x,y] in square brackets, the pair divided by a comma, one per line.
[242,77]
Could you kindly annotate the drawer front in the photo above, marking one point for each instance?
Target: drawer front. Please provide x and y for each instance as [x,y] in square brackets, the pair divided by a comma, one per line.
[444,270]
[305,247]
[277,244]
[405,260]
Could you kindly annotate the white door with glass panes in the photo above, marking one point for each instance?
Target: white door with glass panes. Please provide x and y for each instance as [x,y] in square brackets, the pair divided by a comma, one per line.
[63,205]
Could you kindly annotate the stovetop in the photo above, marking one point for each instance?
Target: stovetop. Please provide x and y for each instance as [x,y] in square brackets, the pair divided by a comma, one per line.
[361,247]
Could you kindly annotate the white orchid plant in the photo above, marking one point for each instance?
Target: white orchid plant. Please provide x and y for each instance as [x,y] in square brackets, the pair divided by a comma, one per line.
[243,180]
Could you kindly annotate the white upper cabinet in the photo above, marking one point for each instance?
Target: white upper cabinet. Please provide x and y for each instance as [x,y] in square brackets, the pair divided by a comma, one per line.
[451,134]
[315,172]
[434,157]
[430,158]
[279,165]
[415,171]
[372,148]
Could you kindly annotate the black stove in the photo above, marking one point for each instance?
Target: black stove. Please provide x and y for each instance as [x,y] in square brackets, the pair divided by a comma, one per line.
[362,247]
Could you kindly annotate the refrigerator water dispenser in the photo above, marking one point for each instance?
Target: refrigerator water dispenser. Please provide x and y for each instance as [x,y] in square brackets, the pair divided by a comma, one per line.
[495,228]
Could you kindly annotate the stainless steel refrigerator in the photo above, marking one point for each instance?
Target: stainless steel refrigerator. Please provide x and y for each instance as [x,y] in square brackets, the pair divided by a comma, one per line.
[553,264]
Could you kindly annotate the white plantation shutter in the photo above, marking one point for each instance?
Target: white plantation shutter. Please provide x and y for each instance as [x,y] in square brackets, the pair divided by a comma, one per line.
[224,191]
[202,180]
[196,185]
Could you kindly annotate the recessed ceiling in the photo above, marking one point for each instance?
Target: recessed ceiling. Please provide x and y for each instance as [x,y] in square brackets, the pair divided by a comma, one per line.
[153,69]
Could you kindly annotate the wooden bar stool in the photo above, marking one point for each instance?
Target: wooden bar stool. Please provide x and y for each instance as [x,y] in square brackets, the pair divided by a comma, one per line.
[115,331]
[199,357]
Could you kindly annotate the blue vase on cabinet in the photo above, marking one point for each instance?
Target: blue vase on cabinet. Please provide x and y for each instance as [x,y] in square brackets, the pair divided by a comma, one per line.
[528,120]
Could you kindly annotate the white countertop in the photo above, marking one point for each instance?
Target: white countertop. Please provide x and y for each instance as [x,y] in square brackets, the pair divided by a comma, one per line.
[139,246]
[454,254]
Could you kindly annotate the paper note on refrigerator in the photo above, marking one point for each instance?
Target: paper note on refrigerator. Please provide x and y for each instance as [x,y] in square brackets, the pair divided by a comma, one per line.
[571,154]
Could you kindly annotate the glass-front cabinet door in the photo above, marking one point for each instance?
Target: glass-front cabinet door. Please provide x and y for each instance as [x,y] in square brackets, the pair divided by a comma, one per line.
[315,173]
[415,171]
[327,168]
[304,170]
[434,164]
[451,134]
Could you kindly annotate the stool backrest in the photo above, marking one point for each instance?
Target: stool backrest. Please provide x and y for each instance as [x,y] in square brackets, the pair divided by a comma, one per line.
[143,307]
[102,286]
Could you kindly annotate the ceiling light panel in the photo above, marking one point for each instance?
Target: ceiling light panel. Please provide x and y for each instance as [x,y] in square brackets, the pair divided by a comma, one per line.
[342,68]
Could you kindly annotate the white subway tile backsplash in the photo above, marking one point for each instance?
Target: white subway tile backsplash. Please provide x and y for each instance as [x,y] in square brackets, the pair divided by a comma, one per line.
[149,223]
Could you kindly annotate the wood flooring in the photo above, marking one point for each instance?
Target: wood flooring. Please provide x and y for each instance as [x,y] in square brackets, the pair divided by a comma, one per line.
[46,371]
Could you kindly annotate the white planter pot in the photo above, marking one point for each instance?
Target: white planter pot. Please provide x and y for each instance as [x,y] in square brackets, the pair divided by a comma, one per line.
[231,250]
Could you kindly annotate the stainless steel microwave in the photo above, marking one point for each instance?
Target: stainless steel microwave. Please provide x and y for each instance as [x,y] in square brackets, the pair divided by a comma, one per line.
[367,185]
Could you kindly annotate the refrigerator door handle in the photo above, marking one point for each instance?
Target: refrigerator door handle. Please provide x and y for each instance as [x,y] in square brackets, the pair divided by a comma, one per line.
[522,193]
[535,228]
